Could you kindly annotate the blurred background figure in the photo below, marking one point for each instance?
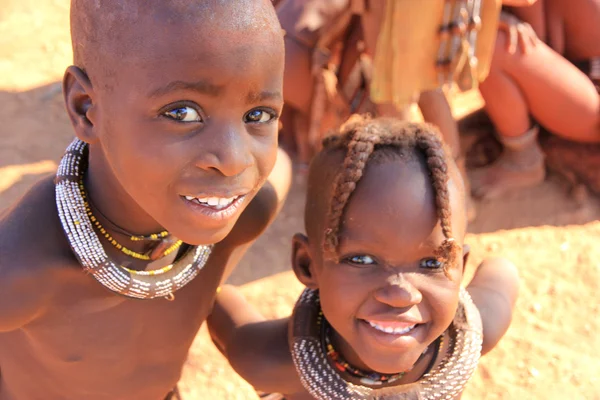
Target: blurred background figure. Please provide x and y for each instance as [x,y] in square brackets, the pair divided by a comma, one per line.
[382,58]
[545,72]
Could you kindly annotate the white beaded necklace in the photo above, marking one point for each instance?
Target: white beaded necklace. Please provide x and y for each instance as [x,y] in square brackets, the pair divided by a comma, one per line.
[89,250]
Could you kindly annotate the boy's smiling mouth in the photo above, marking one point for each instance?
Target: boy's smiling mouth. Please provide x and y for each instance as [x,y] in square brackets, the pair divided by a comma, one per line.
[216,207]
[218,203]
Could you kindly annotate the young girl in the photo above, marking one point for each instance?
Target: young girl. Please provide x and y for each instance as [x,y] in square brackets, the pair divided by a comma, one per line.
[384,315]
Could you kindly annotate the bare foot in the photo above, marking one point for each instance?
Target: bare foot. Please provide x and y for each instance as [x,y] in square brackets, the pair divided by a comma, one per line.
[507,174]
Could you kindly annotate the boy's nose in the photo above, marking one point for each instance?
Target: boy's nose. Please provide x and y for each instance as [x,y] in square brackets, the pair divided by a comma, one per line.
[398,292]
[228,152]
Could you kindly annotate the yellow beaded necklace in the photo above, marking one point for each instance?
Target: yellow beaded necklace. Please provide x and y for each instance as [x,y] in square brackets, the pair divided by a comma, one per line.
[133,238]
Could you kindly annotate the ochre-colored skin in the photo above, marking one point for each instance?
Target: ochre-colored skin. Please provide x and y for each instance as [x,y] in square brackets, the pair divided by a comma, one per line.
[392,217]
[542,83]
[63,335]
[295,16]
[537,80]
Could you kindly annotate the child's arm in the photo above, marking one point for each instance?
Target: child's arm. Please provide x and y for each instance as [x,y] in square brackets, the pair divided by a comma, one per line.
[259,214]
[26,280]
[242,333]
[24,289]
[494,290]
[255,347]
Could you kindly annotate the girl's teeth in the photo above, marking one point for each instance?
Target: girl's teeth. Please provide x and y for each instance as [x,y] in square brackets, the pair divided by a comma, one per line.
[189,198]
[213,201]
[389,329]
[224,202]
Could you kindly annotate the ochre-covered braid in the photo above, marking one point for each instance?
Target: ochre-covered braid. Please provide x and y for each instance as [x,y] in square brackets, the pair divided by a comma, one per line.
[360,148]
[362,137]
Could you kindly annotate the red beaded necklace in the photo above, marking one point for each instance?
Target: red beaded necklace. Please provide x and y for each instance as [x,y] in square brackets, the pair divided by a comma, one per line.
[367,377]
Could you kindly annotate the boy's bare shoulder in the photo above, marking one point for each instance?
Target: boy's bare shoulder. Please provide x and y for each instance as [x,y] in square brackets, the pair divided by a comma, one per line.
[33,253]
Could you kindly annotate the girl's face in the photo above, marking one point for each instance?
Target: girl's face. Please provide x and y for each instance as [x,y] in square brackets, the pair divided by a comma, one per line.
[387,296]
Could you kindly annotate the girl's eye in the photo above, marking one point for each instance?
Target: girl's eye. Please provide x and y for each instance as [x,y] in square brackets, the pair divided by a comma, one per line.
[361,260]
[260,116]
[183,114]
[431,263]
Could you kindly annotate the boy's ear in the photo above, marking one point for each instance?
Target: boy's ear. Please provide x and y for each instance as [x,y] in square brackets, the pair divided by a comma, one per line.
[79,101]
[302,262]
[466,252]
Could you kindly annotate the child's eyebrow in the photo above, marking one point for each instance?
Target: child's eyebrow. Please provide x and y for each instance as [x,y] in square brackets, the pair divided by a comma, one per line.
[254,97]
[203,87]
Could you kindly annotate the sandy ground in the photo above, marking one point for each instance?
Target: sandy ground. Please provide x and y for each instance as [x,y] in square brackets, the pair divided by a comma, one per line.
[551,349]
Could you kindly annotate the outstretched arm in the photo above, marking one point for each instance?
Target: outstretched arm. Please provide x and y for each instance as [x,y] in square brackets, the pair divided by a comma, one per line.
[261,211]
[494,291]
[255,347]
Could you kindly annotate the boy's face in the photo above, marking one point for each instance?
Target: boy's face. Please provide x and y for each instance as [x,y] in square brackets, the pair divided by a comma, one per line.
[188,127]
[388,297]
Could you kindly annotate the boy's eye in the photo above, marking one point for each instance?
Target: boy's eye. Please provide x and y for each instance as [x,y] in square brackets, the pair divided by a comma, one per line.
[431,263]
[260,116]
[361,260]
[183,114]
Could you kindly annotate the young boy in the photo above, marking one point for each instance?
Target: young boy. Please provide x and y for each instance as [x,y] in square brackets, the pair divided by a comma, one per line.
[384,315]
[175,107]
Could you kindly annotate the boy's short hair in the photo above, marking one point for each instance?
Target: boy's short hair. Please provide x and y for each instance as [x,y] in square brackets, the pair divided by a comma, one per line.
[100,28]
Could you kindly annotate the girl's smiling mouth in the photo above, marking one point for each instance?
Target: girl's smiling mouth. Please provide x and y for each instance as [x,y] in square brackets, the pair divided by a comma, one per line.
[392,327]
[397,334]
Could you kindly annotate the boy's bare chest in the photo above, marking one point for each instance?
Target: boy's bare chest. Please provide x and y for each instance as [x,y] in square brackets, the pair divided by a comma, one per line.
[95,340]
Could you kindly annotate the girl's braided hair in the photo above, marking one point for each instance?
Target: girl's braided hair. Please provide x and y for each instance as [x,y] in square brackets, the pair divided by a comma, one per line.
[362,137]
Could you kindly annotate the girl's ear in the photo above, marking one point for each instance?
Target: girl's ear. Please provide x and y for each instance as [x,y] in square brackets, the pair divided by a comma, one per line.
[302,262]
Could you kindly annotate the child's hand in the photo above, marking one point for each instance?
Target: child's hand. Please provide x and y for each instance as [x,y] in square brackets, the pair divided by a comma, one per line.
[520,34]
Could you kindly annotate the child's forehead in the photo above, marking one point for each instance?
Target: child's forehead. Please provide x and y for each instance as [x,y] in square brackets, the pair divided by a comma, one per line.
[391,182]
[116,26]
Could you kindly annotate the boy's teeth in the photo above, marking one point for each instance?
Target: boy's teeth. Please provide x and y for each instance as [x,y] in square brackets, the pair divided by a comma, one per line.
[389,329]
[216,202]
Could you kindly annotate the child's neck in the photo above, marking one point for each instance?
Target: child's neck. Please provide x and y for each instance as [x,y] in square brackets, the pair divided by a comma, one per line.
[113,201]
[425,362]
[118,213]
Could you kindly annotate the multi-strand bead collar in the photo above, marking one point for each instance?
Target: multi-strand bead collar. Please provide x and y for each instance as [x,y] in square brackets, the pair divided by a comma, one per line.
[89,251]
[324,380]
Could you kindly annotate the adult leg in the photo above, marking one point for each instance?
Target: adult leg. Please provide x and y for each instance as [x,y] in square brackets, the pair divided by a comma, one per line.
[543,84]
[554,92]
[436,110]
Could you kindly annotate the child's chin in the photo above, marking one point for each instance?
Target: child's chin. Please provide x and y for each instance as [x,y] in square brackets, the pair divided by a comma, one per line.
[198,237]
[387,364]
